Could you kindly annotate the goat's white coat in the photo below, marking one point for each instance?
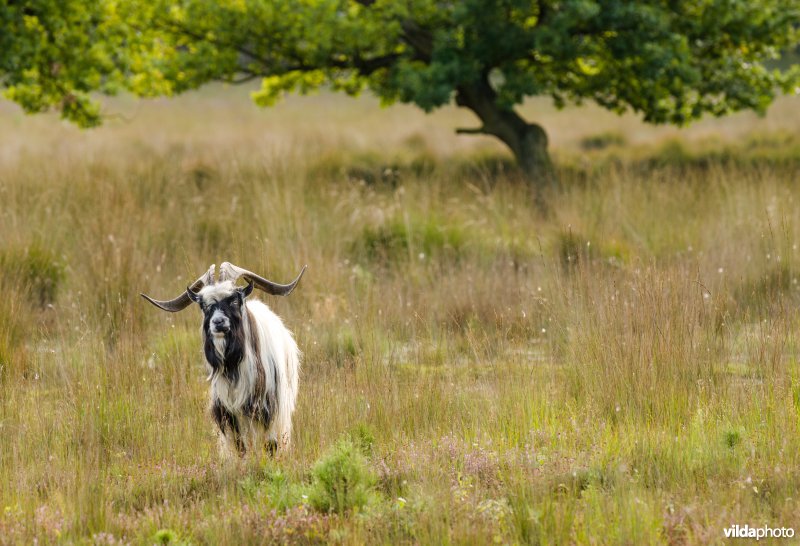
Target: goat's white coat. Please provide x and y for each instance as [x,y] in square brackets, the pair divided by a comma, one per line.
[280,358]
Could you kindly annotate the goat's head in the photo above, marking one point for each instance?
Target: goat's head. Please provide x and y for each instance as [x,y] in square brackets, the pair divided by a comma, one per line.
[223,306]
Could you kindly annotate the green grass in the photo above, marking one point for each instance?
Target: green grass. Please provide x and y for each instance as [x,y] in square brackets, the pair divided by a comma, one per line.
[618,368]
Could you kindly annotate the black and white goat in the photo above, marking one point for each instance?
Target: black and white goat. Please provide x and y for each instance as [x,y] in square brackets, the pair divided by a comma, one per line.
[252,358]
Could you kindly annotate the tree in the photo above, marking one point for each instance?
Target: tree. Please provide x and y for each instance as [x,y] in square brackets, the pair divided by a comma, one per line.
[53,53]
[672,61]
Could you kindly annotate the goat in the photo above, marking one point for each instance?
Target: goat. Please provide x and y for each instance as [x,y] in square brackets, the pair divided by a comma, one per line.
[252,358]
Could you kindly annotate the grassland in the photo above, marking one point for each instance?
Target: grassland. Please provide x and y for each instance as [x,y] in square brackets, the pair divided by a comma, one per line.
[619,367]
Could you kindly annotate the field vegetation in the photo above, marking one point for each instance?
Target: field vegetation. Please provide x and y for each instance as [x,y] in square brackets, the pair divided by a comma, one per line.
[614,362]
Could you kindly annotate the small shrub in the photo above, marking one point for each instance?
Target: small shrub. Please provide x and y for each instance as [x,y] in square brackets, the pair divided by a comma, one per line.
[673,153]
[389,242]
[433,237]
[37,269]
[603,140]
[363,438]
[168,536]
[200,174]
[368,169]
[733,438]
[13,330]
[677,156]
[276,490]
[776,284]
[573,249]
[17,327]
[422,166]
[337,346]
[342,347]
[342,480]
[397,241]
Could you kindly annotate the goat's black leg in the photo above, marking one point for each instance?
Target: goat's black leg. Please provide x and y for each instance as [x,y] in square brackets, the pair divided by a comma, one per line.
[228,425]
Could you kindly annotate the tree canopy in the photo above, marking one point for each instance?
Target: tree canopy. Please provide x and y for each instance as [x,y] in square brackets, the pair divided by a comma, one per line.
[53,54]
[671,61]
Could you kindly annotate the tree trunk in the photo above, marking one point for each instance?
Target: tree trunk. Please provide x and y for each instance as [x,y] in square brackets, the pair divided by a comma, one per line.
[527,141]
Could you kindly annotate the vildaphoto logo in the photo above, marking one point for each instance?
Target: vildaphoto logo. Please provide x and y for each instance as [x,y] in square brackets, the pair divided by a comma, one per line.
[745,531]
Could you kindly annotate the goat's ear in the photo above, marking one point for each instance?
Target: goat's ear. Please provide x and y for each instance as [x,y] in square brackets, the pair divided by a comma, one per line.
[247,290]
[194,296]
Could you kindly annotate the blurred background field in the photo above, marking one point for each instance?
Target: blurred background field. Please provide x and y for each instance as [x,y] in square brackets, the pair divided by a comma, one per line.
[226,116]
[614,363]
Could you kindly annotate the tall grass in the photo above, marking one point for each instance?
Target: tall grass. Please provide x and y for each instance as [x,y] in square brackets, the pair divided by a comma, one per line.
[620,369]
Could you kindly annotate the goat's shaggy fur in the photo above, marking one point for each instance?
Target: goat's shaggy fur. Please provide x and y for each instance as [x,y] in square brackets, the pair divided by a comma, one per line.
[254,367]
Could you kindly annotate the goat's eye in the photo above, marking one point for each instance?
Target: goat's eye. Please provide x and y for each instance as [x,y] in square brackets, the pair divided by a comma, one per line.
[235,303]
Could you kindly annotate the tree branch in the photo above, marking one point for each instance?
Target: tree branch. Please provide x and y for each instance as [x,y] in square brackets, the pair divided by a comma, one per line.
[471,131]
[367,66]
[419,38]
[364,67]
[173,26]
[244,79]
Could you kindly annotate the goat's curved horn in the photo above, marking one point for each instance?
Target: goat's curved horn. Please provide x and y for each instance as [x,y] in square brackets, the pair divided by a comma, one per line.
[183,301]
[228,271]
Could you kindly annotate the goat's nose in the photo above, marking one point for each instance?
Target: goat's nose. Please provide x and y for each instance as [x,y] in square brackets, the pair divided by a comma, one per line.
[218,321]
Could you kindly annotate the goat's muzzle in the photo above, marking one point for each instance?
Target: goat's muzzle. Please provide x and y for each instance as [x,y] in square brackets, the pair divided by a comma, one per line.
[220,325]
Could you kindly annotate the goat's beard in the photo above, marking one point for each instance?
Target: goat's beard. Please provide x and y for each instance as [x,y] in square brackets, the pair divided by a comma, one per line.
[224,353]
[219,343]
